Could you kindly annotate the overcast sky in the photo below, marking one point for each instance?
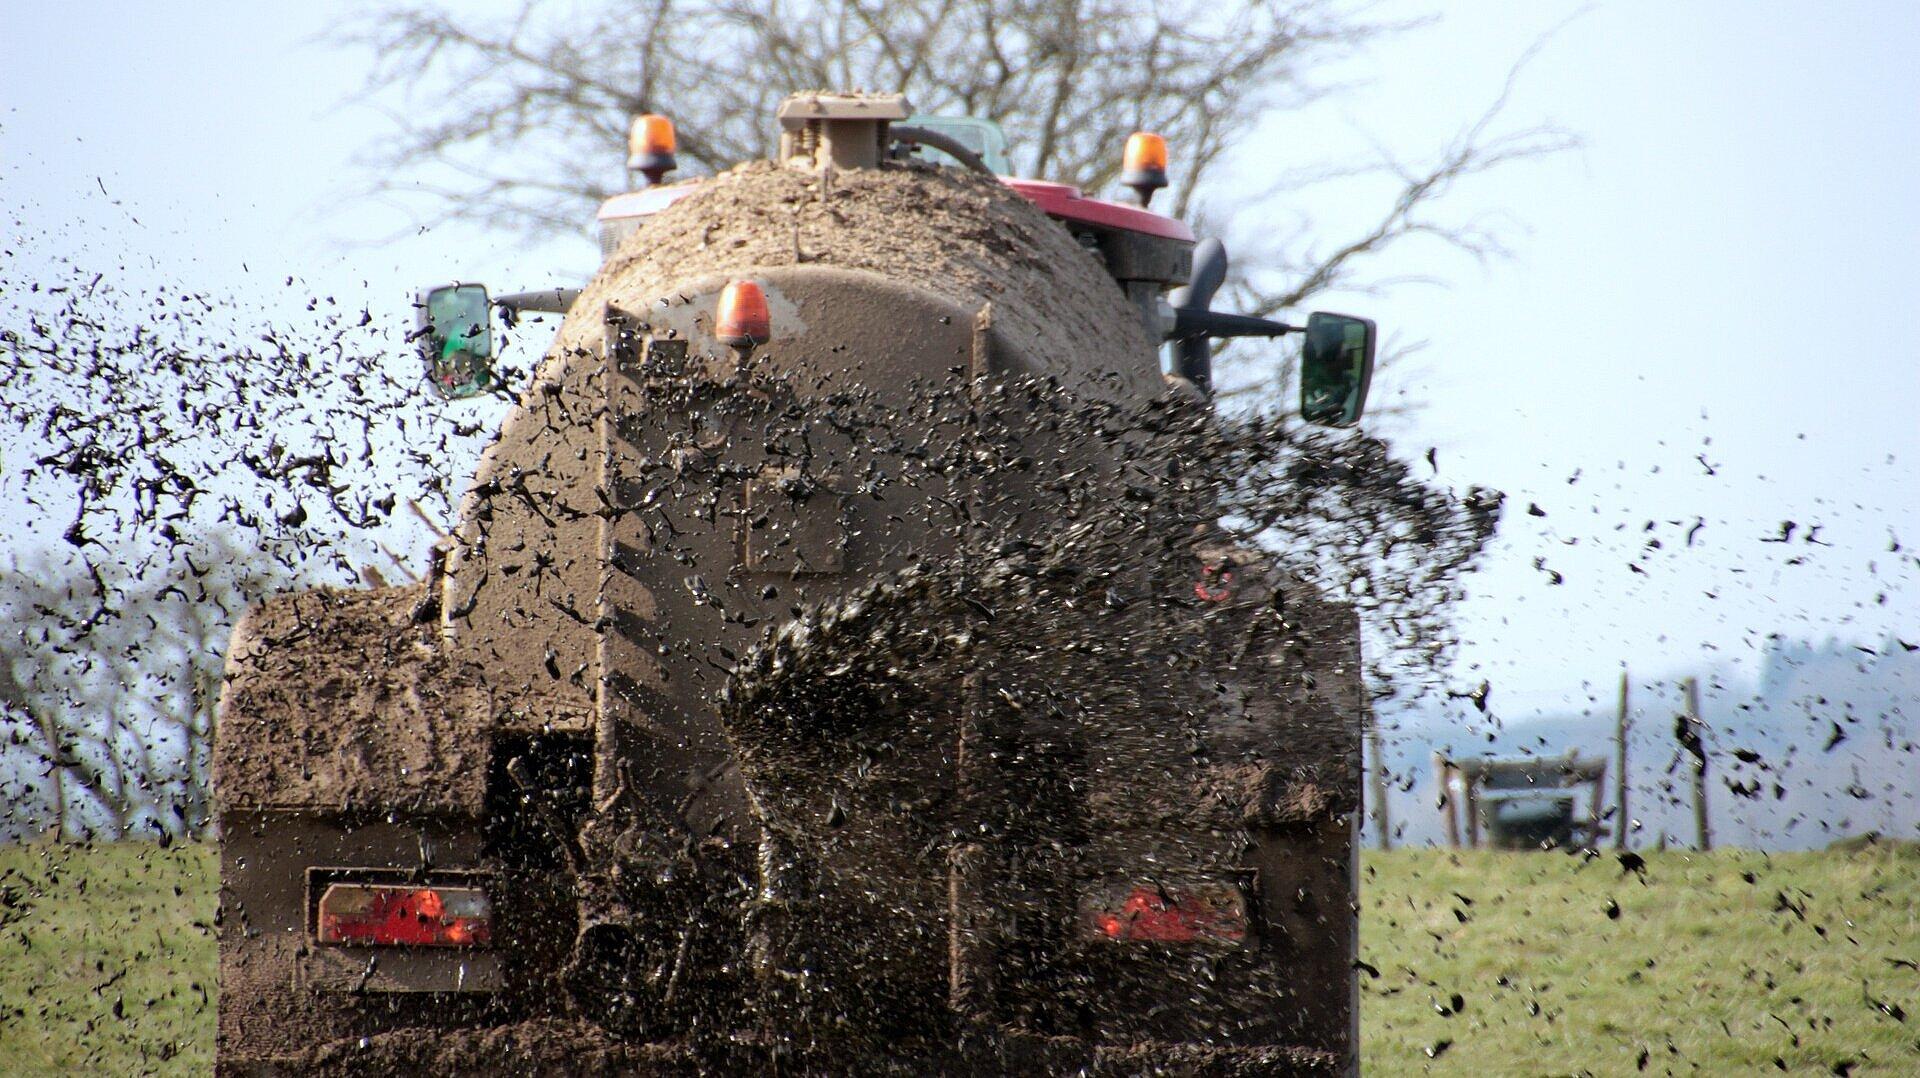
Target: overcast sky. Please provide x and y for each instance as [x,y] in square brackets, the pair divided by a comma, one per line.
[1704,319]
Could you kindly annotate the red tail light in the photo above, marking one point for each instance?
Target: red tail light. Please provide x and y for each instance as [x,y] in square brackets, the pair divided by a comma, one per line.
[397,916]
[1154,914]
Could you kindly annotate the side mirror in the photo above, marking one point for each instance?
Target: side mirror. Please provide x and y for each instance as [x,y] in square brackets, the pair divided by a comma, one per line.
[1336,369]
[455,332]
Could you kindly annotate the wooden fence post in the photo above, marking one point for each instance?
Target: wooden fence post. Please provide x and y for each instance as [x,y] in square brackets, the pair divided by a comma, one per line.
[1377,782]
[1622,726]
[1443,770]
[1698,728]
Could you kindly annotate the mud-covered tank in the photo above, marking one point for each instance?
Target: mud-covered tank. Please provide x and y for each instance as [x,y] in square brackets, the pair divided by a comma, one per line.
[869,693]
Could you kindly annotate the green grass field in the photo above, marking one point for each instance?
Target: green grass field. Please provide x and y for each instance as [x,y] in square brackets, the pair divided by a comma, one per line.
[1732,963]
[106,959]
[1487,963]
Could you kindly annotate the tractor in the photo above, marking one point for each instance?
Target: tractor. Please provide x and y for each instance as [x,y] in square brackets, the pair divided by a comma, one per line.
[832,668]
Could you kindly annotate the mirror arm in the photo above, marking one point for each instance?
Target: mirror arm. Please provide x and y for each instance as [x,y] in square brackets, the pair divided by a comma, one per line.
[1192,322]
[544,301]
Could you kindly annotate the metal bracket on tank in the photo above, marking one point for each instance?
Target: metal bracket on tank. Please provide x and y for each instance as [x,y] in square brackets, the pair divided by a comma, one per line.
[623,331]
[840,131]
[983,363]
[634,351]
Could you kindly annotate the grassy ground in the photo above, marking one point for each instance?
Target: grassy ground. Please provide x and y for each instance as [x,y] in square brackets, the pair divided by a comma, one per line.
[1726,964]
[1487,963]
[106,959]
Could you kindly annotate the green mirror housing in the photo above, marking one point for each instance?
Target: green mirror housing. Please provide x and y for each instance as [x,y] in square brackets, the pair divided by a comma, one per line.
[1336,369]
[455,332]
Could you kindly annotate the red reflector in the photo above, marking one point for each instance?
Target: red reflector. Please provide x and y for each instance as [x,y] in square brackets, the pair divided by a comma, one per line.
[352,913]
[1215,584]
[1169,915]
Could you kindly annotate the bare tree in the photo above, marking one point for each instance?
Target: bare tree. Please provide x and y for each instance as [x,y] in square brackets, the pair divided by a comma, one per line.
[519,123]
[107,693]
[536,117]
[187,465]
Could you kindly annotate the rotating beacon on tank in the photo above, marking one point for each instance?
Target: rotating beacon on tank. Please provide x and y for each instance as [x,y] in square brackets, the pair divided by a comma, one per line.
[507,794]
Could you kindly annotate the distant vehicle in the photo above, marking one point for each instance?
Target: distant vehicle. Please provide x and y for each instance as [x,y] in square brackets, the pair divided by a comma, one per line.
[497,821]
[1523,802]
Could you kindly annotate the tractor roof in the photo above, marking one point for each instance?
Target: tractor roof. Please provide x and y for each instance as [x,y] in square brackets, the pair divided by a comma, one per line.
[1059,200]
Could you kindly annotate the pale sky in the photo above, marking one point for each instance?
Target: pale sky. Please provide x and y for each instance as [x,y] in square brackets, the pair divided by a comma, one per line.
[1724,270]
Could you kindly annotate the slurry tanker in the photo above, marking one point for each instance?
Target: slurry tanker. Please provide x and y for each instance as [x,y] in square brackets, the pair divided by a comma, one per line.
[837,665]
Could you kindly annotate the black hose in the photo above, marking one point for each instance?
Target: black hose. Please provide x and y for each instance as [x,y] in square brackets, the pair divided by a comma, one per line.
[947,144]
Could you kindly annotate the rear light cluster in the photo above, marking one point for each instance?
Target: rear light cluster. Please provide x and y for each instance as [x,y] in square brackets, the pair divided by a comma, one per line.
[404,916]
[1154,914]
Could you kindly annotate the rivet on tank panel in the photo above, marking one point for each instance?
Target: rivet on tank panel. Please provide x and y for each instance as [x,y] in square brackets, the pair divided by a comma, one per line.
[740,319]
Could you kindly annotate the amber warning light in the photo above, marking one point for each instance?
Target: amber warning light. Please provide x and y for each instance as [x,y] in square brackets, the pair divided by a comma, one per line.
[650,146]
[1144,166]
[382,916]
[740,319]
